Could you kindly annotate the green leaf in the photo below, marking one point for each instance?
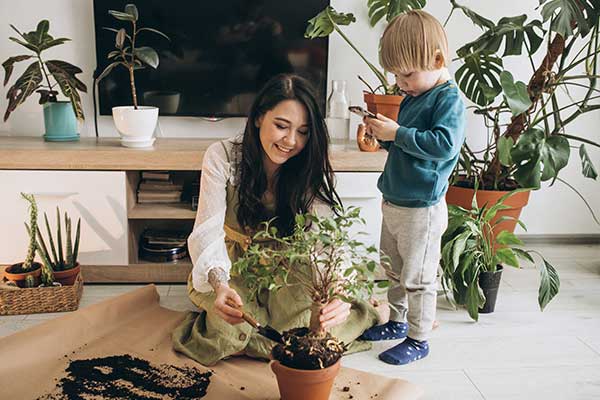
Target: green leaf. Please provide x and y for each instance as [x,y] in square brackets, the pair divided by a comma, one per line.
[120,38]
[587,167]
[42,30]
[132,10]
[505,144]
[478,77]
[508,238]
[459,246]
[51,43]
[121,16]
[323,24]
[154,31]
[563,12]
[24,86]
[25,44]
[477,19]
[549,284]
[9,65]
[147,55]
[64,74]
[391,8]
[507,256]
[512,32]
[539,158]
[515,93]
[524,255]
[109,68]
[475,299]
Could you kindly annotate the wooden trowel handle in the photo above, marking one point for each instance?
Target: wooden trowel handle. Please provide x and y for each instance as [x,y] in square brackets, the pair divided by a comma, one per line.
[246,317]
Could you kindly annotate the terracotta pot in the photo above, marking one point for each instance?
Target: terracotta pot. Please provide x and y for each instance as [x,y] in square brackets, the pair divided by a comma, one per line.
[365,142]
[463,197]
[19,278]
[387,105]
[298,384]
[67,278]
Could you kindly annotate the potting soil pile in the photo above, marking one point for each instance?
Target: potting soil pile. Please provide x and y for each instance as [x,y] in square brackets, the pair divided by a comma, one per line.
[121,349]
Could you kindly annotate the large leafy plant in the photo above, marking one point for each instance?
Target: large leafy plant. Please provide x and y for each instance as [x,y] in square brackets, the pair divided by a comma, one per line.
[126,53]
[470,247]
[528,122]
[325,260]
[36,77]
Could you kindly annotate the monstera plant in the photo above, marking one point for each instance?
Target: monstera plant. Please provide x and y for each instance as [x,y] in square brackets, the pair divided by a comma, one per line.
[38,77]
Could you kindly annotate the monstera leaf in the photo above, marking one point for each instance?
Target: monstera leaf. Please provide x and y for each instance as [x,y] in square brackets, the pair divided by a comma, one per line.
[64,73]
[512,32]
[478,77]
[515,93]
[27,83]
[390,8]
[477,19]
[324,23]
[539,158]
[584,13]
[588,169]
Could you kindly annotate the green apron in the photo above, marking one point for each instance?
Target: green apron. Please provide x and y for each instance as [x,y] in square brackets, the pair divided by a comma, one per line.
[206,338]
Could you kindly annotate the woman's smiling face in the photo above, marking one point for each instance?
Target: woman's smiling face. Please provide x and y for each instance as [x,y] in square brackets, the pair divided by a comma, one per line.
[283,132]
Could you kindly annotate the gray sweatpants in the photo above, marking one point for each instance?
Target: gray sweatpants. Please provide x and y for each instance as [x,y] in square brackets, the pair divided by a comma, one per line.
[412,237]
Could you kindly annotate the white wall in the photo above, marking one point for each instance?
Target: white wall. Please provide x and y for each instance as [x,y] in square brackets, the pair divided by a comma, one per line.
[555,210]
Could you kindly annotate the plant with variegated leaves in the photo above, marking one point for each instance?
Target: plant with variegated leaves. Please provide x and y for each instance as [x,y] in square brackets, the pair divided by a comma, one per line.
[126,53]
[36,77]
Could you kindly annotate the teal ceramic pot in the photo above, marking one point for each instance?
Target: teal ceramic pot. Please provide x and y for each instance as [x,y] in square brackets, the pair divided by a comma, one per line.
[60,122]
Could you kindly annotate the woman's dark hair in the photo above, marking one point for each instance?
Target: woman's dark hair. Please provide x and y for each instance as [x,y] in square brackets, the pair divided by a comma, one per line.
[300,179]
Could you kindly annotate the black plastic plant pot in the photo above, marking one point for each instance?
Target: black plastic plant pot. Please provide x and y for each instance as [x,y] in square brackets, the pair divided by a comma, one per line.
[489,283]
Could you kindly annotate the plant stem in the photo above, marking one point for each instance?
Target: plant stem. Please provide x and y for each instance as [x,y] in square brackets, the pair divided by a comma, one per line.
[131,66]
[43,66]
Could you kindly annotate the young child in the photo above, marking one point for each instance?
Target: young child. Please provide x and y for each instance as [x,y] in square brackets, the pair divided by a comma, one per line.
[423,147]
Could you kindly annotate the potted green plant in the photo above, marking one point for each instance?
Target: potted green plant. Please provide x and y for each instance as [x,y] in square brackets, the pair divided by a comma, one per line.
[472,256]
[387,101]
[135,123]
[60,117]
[27,273]
[328,263]
[528,123]
[63,265]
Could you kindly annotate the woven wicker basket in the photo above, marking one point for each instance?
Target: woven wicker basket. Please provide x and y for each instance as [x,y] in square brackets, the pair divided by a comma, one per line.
[41,299]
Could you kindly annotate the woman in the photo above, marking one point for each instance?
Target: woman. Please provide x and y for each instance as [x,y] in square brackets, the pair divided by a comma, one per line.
[280,167]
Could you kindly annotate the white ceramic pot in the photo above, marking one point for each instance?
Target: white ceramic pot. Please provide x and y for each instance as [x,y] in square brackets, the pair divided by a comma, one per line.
[135,125]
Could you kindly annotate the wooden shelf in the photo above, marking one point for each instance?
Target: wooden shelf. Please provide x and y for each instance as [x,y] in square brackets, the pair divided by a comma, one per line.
[138,273]
[161,211]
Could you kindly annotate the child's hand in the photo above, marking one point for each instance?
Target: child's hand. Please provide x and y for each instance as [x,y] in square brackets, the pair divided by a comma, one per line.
[225,295]
[334,313]
[383,128]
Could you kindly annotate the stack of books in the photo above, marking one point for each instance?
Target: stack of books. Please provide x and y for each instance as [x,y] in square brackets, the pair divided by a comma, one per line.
[158,187]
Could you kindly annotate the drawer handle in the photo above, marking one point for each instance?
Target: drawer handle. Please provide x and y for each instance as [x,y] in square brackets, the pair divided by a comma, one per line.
[55,194]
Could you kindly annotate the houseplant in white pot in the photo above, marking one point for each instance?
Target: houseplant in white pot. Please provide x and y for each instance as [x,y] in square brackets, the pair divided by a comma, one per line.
[135,123]
[60,117]
[327,262]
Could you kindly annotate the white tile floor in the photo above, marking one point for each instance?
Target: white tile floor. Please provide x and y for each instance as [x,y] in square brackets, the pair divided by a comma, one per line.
[517,352]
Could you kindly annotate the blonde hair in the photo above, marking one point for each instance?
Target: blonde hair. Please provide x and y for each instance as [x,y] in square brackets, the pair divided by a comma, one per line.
[412,41]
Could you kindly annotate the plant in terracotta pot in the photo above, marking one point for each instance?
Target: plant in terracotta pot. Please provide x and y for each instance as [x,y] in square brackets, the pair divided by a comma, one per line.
[42,76]
[528,123]
[135,123]
[328,263]
[63,265]
[472,257]
[385,98]
[27,273]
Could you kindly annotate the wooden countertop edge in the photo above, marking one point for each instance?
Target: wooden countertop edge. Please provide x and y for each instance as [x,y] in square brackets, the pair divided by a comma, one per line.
[32,153]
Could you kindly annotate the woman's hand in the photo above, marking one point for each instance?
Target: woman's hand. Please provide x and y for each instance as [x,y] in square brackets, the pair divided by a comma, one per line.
[225,295]
[382,127]
[334,313]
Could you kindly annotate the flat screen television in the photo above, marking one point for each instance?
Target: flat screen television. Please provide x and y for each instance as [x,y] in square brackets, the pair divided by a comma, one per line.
[220,53]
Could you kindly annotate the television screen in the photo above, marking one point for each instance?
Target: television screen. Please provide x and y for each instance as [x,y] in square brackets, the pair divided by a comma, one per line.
[219,55]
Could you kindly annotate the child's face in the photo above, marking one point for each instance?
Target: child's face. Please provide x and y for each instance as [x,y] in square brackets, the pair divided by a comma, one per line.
[416,83]
[283,132]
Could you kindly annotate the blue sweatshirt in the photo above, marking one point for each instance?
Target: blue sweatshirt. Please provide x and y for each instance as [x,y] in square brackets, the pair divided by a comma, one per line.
[426,148]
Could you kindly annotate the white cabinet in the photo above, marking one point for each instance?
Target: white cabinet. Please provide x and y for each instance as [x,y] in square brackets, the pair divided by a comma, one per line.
[97,197]
[359,189]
